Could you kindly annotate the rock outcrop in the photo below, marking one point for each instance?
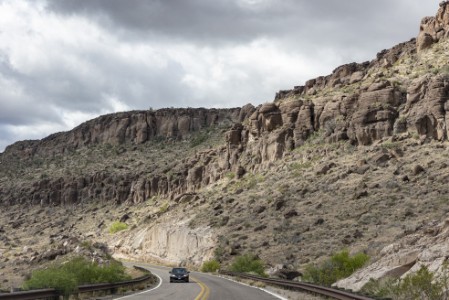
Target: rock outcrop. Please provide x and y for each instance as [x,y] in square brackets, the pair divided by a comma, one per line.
[167,242]
[433,29]
[134,127]
[427,247]
[426,103]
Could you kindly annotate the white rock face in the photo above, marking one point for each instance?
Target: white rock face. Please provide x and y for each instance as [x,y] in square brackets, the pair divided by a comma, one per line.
[428,247]
[169,242]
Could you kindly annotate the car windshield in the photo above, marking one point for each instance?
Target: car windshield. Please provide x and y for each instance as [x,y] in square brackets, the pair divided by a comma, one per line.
[179,271]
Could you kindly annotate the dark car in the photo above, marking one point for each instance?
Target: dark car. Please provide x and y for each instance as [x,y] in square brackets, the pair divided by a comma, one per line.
[179,274]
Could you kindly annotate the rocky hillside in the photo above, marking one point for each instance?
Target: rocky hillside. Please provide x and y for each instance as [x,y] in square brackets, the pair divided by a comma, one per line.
[355,159]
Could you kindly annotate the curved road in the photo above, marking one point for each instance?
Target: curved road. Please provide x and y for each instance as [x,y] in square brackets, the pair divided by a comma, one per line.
[201,287]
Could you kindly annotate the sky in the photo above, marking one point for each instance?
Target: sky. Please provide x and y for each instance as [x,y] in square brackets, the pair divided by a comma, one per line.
[63,62]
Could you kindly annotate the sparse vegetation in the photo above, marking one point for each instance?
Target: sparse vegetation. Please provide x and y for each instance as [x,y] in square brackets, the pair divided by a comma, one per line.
[230,175]
[199,138]
[391,145]
[338,266]
[68,276]
[117,226]
[249,181]
[164,208]
[219,253]
[420,285]
[298,167]
[248,263]
[210,266]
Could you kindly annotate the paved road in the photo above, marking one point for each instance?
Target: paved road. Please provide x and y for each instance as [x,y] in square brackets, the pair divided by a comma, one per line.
[201,287]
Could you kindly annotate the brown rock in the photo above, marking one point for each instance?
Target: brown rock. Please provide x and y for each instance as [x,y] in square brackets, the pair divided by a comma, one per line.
[424,41]
[323,169]
[417,169]
[290,214]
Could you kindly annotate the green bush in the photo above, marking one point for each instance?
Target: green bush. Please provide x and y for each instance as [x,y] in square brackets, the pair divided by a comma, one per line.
[219,253]
[210,266]
[117,226]
[338,266]
[164,208]
[230,175]
[52,278]
[199,138]
[78,271]
[248,263]
[417,286]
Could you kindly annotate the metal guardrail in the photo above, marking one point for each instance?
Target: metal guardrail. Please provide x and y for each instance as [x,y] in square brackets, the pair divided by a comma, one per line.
[31,295]
[54,294]
[301,286]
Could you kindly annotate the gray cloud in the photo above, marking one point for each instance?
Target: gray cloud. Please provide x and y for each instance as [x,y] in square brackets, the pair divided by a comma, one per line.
[63,61]
[322,22]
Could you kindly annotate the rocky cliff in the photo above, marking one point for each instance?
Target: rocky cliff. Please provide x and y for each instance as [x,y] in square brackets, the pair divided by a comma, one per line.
[127,130]
[399,92]
[135,127]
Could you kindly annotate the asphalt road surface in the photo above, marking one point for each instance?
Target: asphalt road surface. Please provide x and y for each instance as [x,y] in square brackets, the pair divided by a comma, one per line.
[201,287]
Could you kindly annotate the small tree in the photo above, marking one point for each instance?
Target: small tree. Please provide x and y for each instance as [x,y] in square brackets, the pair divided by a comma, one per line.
[338,266]
[77,271]
[248,263]
[55,278]
[210,266]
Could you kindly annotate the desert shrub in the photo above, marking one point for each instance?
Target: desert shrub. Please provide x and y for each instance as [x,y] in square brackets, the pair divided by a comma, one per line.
[210,266]
[199,138]
[417,286]
[164,208]
[230,175]
[391,145]
[248,263]
[249,181]
[413,286]
[117,226]
[87,245]
[338,266]
[379,288]
[52,278]
[68,276]
[219,253]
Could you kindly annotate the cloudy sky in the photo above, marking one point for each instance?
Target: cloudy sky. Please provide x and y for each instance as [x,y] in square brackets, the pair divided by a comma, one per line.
[63,62]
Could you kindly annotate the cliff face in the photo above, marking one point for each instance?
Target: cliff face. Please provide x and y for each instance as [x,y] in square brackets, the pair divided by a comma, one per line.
[400,92]
[135,127]
[128,129]
[168,242]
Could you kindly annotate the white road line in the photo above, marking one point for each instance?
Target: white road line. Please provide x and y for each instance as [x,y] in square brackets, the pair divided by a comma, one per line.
[160,282]
[273,294]
[266,291]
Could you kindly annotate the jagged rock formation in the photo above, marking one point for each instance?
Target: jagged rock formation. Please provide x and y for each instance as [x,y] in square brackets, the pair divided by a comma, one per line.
[135,127]
[130,128]
[360,103]
[433,29]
